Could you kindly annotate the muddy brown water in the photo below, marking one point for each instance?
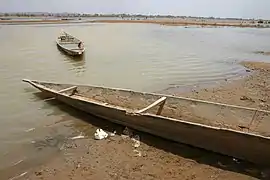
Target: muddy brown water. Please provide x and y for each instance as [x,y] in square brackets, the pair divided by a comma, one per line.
[141,57]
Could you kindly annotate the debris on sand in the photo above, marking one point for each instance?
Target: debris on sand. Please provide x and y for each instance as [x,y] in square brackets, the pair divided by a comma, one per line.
[38,173]
[18,162]
[112,134]
[78,166]
[31,129]
[124,136]
[136,141]
[262,100]
[19,176]
[78,137]
[137,153]
[128,133]
[245,98]
[100,134]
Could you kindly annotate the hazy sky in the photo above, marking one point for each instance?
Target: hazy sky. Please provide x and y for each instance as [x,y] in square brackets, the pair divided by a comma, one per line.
[217,8]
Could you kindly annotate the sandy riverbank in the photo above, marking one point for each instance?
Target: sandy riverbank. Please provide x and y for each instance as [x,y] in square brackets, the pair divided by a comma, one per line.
[115,158]
[161,21]
[184,22]
[252,91]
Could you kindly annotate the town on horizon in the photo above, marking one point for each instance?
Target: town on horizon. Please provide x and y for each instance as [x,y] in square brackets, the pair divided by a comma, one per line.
[122,15]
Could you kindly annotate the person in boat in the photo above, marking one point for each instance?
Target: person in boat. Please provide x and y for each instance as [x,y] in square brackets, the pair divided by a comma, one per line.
[80,45]
[63,38]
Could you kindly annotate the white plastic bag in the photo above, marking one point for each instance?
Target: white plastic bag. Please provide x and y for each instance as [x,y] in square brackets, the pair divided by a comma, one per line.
[100,134]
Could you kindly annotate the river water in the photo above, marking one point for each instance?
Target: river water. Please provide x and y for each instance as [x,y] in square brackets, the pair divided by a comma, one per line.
[141,57]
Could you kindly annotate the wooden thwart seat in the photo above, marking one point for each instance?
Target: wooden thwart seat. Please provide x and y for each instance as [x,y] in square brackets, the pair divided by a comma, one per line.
[73,88]
[160,102]
[68,42]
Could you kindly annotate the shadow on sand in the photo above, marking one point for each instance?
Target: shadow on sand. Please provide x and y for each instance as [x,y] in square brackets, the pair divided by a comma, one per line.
[199,155]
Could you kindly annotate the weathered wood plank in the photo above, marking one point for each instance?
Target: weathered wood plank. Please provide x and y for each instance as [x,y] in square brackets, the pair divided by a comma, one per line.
[67,89]
[160,102]
[68,43]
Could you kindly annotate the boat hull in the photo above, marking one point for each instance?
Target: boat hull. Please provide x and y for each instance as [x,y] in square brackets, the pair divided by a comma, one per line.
[68,51]
[250,147]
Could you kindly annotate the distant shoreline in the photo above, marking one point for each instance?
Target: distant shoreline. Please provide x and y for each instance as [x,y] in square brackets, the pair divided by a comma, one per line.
[118,15]
[161,21]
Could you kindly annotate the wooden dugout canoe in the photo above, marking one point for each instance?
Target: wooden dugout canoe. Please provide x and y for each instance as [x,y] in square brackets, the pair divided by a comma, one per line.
[69,44]
[169,117]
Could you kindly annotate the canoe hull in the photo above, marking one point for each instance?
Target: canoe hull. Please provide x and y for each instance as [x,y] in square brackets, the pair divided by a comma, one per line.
[241,145]
[68,51]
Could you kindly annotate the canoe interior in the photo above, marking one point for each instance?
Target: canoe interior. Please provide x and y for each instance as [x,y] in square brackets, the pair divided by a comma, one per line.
[177,108]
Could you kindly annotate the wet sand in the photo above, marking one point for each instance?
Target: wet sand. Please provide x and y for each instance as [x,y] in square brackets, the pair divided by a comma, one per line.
[116,158]
[161,21]
[252,91]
